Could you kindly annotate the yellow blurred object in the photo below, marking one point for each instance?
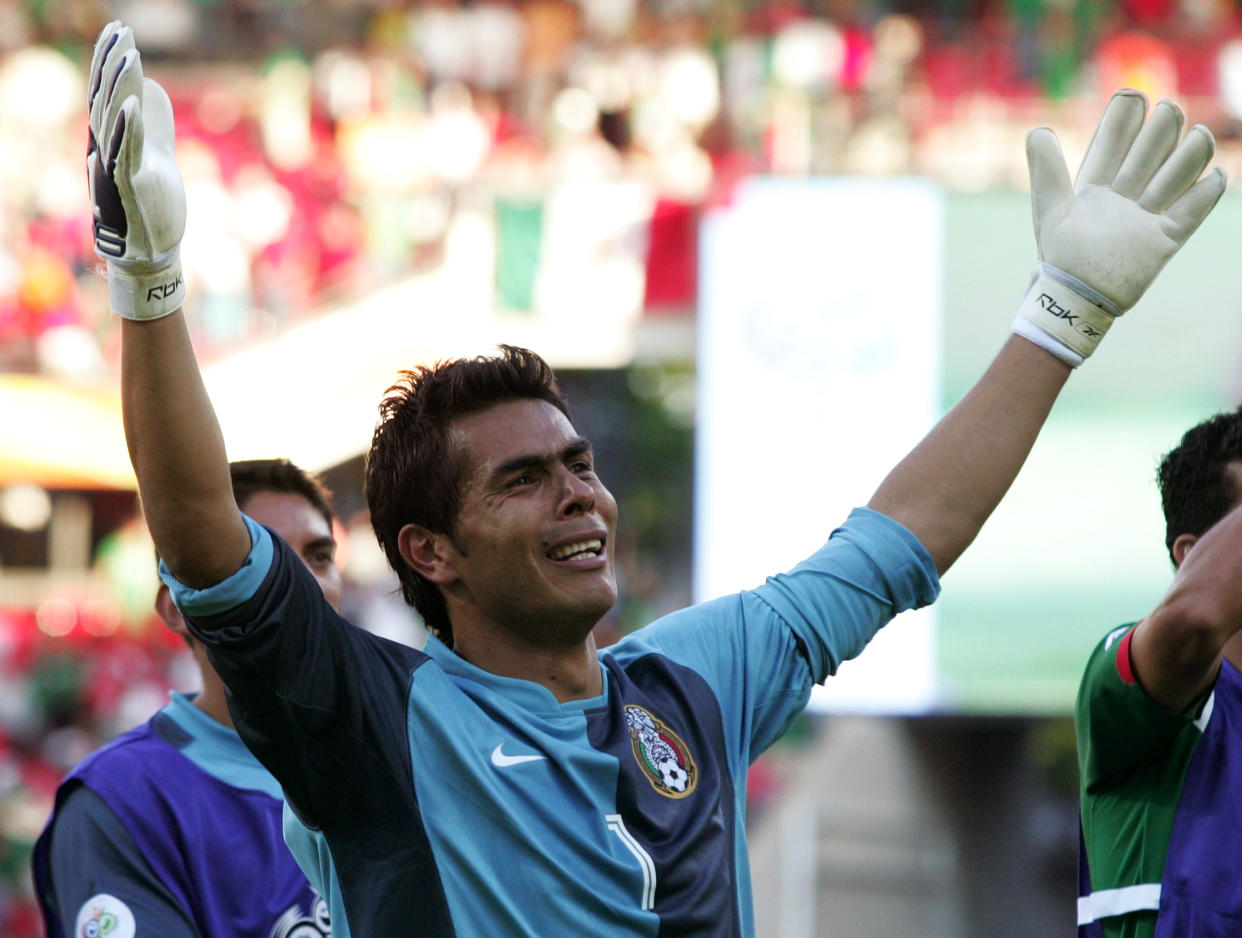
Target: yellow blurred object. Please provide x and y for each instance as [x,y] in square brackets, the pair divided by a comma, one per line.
[58,436]
[1137,60]
[46,283]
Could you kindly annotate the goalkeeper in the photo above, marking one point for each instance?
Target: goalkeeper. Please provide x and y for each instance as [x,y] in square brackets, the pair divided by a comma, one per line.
[509,779]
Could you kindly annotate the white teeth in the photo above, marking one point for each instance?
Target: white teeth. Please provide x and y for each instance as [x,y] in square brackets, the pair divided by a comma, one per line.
[586,548]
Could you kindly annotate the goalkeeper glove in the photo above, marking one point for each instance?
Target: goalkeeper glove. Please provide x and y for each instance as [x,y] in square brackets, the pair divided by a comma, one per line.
[1102,242]
[135,188]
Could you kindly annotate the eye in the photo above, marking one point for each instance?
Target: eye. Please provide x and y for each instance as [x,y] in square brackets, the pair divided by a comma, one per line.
[322,556]
[526,478]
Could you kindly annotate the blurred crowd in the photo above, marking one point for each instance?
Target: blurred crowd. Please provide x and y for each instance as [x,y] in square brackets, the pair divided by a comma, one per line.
[331,148]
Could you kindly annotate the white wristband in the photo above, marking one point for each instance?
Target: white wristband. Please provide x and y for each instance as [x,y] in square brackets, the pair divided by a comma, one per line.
[1032,333]
[147,294]
[1060,319]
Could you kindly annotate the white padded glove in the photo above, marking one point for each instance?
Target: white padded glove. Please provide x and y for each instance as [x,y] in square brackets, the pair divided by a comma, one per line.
[136,190]
[1102,241]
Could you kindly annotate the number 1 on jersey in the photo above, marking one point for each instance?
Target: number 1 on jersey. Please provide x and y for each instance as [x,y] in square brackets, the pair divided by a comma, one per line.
[617,826]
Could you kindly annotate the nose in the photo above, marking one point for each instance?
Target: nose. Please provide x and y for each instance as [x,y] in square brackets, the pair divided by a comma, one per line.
[578,496]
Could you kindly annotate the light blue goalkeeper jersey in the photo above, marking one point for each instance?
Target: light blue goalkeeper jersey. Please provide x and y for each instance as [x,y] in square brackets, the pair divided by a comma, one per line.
[428,797]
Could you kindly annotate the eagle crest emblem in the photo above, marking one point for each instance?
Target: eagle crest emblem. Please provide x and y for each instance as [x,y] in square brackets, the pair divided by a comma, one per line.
[661,754]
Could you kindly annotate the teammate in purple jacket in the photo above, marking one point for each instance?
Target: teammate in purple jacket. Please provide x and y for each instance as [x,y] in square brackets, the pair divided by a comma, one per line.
[173,830]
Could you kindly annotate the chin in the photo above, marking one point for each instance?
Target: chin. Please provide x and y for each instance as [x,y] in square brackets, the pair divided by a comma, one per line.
[605,607]
[587,613]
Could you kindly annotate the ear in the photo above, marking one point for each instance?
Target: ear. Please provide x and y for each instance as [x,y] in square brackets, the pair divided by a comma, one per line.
[169,612]
[1181,547]
[428,554]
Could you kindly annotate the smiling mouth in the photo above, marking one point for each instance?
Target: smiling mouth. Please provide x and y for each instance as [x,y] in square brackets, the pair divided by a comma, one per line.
[579,550]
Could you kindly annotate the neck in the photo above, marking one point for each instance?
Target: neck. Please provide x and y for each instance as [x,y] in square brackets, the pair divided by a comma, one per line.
[570,672]
[1233,651]
[211,699]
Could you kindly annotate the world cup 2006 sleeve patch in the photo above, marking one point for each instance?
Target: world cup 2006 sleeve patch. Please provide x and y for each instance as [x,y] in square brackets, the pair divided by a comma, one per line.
[104,916]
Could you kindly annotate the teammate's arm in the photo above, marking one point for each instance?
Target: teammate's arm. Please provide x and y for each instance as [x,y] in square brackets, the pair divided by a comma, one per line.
[175,443]
[1176,650]
[95,873]
[1101,242]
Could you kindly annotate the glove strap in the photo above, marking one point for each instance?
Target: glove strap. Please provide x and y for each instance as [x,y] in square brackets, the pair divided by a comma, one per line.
[150,292]
[1064,316]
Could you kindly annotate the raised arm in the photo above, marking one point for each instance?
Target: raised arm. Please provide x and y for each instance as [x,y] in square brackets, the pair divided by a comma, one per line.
[950,483]
[1176,650]
[174,439]
[1101,242]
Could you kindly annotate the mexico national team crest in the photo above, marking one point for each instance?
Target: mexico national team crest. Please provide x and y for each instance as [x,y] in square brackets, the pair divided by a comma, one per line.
[661,754]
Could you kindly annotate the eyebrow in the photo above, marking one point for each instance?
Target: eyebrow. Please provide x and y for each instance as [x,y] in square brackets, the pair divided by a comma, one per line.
[326,541]
[576,447]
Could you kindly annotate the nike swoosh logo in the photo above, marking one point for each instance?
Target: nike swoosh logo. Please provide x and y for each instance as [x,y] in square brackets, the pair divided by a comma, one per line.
[500,760]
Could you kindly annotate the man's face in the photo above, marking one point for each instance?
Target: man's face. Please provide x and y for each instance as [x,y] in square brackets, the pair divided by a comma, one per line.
[304,529]
[533,543]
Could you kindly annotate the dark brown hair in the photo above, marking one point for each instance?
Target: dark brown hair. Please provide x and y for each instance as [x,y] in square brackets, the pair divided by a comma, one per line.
[252,476]
[1196,487]
[413,471]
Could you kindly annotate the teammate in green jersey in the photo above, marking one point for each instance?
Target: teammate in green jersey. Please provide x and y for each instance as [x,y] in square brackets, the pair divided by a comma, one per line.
[1157,712]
